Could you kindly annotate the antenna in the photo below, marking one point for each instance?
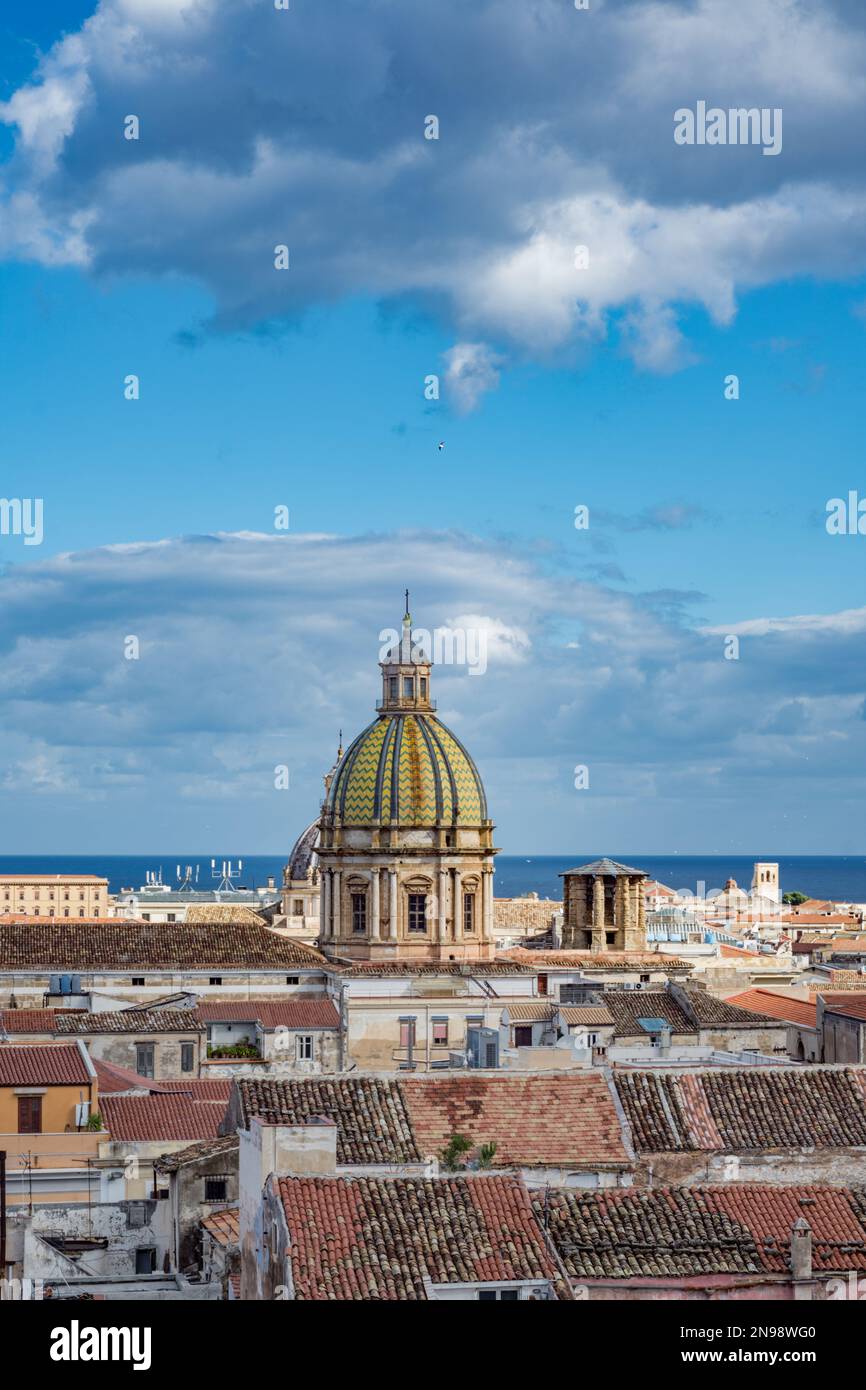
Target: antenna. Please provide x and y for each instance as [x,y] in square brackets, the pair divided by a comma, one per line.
[226,874]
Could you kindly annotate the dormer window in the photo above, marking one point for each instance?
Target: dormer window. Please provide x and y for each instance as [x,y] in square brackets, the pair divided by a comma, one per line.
[408,687]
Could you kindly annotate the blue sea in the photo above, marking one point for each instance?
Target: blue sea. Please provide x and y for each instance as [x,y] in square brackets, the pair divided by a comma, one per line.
[820,876]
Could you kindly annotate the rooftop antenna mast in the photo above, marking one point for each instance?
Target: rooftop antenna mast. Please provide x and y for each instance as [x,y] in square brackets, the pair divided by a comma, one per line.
[186,884]
[226,874]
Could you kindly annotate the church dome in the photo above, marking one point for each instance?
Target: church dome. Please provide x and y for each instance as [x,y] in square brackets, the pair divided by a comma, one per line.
[304,857]
[407,768]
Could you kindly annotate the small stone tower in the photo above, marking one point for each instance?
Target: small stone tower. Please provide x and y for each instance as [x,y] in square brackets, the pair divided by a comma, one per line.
[604,907]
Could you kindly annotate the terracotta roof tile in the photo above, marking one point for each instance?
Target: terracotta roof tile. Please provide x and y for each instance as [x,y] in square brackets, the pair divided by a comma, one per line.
[218,1088]
[627,1006]
[851,1005]
[770,1004]
[377,1239]
[710,1012]
[755,1108]
[228,1144]
[223,1226]
[372,1120]
[122,944]
[27,1020]
[238,914]
[593,960]
[316,1012]
[536,1120]
[160,1117]
[738,1228]
[131,1021]
[42,1064]
[588,1015]
[504,964]
[530,1013]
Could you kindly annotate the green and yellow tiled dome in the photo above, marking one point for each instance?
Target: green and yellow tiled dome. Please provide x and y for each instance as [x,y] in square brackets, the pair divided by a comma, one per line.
[407,769]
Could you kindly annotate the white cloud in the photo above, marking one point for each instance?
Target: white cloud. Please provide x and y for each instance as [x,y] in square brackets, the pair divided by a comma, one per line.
[261,127]
[471,371]
[255,651]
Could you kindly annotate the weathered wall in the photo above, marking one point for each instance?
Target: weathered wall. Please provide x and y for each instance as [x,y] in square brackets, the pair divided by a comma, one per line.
[120,1049]
[837,1167]
[188,1200]
[844,1039]
[126,1226]
[771,1039]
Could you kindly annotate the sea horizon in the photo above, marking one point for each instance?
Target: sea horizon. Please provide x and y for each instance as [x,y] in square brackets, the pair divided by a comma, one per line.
[821,876]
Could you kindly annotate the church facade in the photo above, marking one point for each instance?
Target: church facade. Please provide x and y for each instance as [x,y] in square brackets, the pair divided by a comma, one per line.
[405,847]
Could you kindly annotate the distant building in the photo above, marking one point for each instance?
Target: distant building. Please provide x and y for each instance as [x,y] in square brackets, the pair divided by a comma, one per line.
[49,1099]
[158,1044]
[765,882]
[53,895]
[604,907]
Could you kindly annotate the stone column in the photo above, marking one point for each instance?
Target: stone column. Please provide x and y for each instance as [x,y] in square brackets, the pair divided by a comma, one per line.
[458,906]
[597,903]
[325,912]
[392,904]
[487,906]
[442,926]
[599,939]
[336,894]
[374,905]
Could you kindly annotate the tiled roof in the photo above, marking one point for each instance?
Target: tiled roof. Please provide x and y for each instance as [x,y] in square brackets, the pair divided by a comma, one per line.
[27,1020]
[228,913]
[606,868]
[588,1015]
[195,1153]
[42,1064]
[377,1239]
[126,945]
[741,1110]
[316,1012]
[772,1005]
[131,1021]
[372,1120]
[740,1228]
[541,1119]
[218,1088]
[627,1006]
[160,1117]
[727,952]
[505,964]
[652,888]
[530,1013]
[114,1079]
[593,960]
[711,1012]
[224,1226]
[851,1005]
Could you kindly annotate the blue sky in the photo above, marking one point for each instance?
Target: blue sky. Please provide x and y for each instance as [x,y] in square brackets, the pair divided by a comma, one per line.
[707,515]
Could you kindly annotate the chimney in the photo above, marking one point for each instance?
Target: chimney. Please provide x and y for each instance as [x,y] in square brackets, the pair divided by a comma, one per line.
[801,1258]
[306,1149]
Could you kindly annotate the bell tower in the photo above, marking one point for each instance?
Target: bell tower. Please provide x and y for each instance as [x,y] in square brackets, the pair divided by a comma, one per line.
[405,674]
